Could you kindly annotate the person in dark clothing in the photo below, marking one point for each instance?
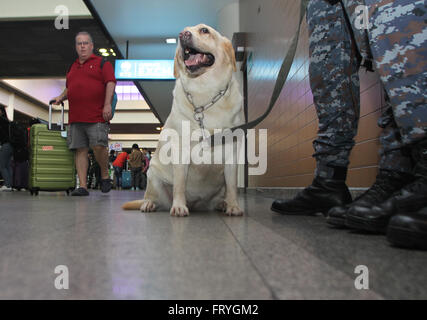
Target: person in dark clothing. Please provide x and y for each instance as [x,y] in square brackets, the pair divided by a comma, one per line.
[6,150]
[94,172]
[135,162]
[112,157]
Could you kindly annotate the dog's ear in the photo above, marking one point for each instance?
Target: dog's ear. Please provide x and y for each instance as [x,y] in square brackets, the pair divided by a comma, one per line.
[175,65]
[230,52]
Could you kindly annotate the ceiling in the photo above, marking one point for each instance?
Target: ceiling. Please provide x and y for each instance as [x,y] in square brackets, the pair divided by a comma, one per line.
[147,23]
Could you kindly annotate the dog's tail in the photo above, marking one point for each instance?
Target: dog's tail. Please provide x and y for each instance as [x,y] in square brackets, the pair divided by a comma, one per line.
[132,205]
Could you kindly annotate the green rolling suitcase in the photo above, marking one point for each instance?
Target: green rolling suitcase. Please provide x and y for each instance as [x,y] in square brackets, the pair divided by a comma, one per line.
[51,162]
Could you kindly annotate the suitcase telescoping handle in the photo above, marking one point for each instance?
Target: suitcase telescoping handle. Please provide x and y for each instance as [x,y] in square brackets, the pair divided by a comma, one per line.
[50,115]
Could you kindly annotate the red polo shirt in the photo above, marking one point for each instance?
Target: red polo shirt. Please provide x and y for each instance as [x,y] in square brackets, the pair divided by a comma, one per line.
[86,89]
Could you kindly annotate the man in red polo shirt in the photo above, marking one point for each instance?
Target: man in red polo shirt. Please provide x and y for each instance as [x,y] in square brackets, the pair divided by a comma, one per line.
[89,90]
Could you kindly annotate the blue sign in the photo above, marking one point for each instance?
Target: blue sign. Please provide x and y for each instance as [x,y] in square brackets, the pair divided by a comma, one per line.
[144,69]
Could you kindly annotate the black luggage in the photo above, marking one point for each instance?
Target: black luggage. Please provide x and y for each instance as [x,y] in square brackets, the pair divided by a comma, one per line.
[20,174]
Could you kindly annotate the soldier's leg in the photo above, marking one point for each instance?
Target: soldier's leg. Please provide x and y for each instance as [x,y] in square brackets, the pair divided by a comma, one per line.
[398,43]
[395,164]
[394,155]
[395,171]
[335,85]
[334,81]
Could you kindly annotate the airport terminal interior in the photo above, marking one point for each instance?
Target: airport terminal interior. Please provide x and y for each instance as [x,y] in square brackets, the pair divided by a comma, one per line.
[105,252]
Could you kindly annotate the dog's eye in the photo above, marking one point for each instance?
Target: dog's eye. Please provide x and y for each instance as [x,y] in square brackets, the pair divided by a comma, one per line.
[204,30]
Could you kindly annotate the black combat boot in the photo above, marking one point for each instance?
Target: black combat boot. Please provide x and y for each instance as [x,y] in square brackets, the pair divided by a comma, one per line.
[408,230]
[408,200]
[386,183]
[320,196]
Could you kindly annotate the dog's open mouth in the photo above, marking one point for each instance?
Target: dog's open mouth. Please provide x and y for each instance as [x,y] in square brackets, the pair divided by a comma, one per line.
[195,60]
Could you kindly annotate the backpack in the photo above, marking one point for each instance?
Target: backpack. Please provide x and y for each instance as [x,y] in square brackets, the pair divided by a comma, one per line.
[21,154]
[17,135]
[114,100]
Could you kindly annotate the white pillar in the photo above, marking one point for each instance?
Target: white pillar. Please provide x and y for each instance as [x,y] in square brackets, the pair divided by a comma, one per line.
[11,106]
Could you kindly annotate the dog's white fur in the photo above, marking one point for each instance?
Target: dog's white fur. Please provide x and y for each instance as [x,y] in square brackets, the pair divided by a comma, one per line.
[206,186]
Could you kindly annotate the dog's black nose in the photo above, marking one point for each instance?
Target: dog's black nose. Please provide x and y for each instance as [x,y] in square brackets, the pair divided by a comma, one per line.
[185,36]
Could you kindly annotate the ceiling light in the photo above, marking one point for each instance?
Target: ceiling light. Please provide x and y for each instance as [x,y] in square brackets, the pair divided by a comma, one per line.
[114,54]
[102,50]
[111,50]
[105,54]
[171,40]
[159,128]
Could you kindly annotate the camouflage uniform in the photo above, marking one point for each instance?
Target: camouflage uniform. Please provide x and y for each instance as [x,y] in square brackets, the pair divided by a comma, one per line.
[398,39]
[360,34]
[334,80]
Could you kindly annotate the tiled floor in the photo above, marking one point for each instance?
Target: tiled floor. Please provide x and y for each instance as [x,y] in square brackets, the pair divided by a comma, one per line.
[115,254]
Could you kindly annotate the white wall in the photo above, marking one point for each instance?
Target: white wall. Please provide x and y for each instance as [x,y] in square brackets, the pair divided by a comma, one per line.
[228,19]
[228,23]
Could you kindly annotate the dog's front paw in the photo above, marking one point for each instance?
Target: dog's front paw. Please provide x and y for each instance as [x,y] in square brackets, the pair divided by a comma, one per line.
[148,206]
[221,206]
[233,210]
[179,210]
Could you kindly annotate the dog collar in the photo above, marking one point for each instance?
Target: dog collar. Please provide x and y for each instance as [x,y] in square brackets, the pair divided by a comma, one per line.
[198,111]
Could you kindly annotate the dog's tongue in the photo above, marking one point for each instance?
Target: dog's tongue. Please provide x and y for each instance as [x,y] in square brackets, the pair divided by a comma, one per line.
[195,59]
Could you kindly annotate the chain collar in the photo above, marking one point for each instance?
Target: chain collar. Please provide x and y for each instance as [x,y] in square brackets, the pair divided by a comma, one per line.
[198,111]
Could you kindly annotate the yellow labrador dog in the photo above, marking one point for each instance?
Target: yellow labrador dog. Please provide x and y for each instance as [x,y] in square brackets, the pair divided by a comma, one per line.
[203,68]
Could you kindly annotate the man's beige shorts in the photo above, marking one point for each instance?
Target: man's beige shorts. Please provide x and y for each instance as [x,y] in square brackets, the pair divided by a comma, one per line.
[85,135]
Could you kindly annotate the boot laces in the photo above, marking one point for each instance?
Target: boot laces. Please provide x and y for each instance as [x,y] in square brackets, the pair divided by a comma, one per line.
[380,190]
[419,185]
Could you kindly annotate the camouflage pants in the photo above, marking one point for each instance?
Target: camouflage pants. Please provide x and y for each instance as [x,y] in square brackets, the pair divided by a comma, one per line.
[398,38]
[334,82]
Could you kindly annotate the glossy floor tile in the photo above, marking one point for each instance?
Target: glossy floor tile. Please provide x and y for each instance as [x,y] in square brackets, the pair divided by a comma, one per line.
[114,254]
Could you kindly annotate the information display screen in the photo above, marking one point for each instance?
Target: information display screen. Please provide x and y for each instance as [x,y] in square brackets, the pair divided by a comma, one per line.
[144,69]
